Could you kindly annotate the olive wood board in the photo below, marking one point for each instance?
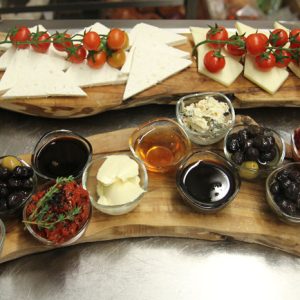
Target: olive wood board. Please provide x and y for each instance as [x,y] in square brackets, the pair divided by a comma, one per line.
[161,212]
[243,93]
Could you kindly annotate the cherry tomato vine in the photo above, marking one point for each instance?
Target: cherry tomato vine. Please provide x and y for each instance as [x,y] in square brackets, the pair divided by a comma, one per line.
[268,52]
[95,48]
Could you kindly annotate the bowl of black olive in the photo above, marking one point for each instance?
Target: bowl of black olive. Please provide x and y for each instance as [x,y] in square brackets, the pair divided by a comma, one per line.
[254,150]
[17,183]
[283,192]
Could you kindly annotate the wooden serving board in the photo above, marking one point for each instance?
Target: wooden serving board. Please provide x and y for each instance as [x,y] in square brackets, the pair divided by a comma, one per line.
[162,213]
[243,92]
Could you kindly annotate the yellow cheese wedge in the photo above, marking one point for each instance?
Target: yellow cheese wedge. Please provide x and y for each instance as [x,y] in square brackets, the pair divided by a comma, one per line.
[293,67]
[269,81]
[232,67]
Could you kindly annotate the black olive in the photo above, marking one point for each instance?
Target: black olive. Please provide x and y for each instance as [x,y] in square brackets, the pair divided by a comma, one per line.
[267,156]
[254,130]
[22,172]
[243,135]
[14,183]
[285,183]
[292,191]
[252,154]
[27,184]
[275,188]
[232,144]
[16,198]
[288,207]
[248,143]
[3,204]
[3,185]
[4,192]
[294,175]
[238,157]
[282,175]
[4,173]
[271,140]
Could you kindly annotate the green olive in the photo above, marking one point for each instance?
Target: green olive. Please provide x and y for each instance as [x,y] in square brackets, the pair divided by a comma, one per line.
[249,170]
[10,162]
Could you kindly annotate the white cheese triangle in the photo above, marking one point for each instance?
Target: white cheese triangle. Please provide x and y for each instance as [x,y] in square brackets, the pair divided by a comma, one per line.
[232,68]
[150,32]
[84,76]
[149,68]
[269,81]
[292,66]
[97,27]
[243,28]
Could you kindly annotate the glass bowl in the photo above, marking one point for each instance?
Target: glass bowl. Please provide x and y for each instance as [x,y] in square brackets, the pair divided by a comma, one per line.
[47,242]
[250,172]
[160,143]
[2,235]
[273,200]
[218,177]
[89,182]
[214,132]
[18,209]
[62,158]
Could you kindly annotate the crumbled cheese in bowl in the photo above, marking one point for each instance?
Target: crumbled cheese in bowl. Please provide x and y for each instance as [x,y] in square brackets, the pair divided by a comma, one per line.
[207,118]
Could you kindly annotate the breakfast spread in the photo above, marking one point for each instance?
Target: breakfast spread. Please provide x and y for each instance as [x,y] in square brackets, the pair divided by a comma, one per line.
[118,181]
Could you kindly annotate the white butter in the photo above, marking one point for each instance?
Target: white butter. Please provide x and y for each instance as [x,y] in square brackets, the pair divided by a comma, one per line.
[232,68]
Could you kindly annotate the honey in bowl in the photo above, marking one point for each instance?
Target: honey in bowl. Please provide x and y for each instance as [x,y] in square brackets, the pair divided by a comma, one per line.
[161,144]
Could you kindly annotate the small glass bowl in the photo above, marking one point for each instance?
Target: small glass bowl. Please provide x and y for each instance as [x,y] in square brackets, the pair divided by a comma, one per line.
[205,137]
[270,198]
[18,209]
[89,182]
[252,174]
[2,235]
[213,158]
[160,143]
[48,138]
[46,242]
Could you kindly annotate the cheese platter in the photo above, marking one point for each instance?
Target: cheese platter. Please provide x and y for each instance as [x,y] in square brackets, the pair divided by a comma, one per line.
[157,70]
[161,211]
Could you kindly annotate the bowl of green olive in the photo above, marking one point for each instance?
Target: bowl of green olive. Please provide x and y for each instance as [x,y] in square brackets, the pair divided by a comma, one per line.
[254,150]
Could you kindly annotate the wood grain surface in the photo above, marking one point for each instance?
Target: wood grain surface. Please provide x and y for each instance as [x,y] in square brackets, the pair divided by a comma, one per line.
[99,99]
[162,213]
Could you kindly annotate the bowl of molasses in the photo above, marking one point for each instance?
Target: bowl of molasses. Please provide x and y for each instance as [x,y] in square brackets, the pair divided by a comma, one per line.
[61,153]
[206,181]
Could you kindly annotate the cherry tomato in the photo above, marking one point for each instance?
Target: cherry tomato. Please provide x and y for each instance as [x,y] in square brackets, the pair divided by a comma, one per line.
[91,41]
[265,61]
[278,38]
[117,59]
[96,59]
[256,43]
[77,54]
[283,58]
[126,44]
[217,33]
[61,41]
[295,56]
[20,34]
[236,50]
[39,44]
[116,39]
[295,38]
[214,61]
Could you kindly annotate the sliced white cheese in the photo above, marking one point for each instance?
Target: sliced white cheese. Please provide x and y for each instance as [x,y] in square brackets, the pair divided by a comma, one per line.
[120,192]
[117,167]
[97,27]
[153,46]
[84,76]
[149,68]
[293,67]
[144,31]
[269,81]
[243,28]
[232,68]
[51,83]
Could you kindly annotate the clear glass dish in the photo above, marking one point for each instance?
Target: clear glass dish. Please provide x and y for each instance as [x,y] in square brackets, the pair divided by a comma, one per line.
[211,158]
[161,144]
[206,137]
[18,209]
[284,216]
[252,174]
[50,137]
[89,182]
[2,235]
